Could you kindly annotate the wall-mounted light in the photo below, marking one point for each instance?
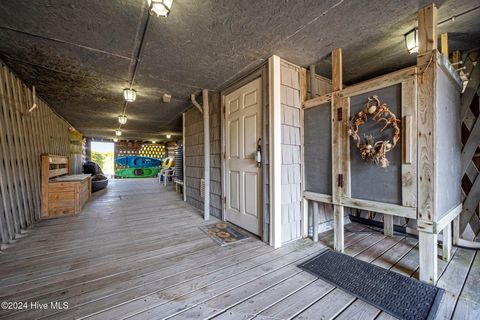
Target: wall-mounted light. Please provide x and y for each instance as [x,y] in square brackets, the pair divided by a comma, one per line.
[169,136]
[411,41]
[115,139]
[122,119]
[160,7]
[166,97]
[118,133]
[129,94]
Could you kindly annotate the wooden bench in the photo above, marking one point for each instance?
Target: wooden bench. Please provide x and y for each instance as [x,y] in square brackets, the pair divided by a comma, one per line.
[62,194]
[178,185]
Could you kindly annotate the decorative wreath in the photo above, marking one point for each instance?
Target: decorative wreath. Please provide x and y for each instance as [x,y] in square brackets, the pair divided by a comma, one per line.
[371,150]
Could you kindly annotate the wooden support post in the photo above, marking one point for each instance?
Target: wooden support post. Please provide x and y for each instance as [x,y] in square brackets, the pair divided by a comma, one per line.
[338,216]
[304,97]
[426,63]
[447,242]
[428,257]
[456,57]
[388,225]
[315,221]
[206,154]
[337,74]
[338,170]
[312,83]
[183,158]
[456,229]
[444,43]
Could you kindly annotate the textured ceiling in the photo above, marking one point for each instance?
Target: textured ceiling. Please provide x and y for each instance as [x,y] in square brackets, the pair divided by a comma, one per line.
[79,53]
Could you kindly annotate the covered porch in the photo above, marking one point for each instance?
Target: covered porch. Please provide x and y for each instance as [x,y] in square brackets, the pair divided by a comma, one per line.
[136,252]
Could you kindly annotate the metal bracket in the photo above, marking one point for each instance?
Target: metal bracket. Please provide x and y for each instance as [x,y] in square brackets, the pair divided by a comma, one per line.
[339,114]
[340,180]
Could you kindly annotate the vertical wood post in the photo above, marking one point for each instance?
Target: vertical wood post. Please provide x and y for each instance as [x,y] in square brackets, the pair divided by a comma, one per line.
[339,236]
[428,252]
[444,43]
[447,242]
[388,225]
[184,188]
[304,97]
[426,62]
[338,163]
[206,144]
[337,73]
[312,83]
[456,230]
[315,220]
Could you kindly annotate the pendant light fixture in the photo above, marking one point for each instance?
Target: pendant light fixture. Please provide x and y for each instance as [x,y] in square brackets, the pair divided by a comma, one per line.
[169,136]
[160,7]
[129,94]
[122,119]
[118,133]
[411,41]
[115,139]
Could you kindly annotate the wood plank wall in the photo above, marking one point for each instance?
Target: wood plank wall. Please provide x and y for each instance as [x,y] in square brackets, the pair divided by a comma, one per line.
[24,137]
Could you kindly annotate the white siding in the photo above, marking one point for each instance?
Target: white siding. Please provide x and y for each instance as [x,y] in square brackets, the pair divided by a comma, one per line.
[291,183]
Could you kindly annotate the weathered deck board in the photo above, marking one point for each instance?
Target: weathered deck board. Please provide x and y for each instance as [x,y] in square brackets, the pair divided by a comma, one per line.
[452,281]
[136,252]
[468,305]
[240,295]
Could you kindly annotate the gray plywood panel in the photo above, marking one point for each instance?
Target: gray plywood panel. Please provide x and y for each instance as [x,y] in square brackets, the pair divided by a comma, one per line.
[318,150]
[448,145]
[369,181]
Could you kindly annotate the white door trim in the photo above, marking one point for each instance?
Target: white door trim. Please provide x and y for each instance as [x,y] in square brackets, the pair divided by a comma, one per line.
[243,179]
[261,73]
[275,125]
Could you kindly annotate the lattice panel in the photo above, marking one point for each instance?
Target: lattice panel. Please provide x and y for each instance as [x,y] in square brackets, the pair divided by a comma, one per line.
[153,151]
[469,219]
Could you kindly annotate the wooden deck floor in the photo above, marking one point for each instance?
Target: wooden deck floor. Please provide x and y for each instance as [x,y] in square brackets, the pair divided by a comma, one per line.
[136,252]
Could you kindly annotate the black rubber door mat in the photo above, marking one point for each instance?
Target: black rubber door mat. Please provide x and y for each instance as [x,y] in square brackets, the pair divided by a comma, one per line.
[400,296]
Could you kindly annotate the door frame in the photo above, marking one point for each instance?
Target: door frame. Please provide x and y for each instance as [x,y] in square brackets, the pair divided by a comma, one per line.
[262,73]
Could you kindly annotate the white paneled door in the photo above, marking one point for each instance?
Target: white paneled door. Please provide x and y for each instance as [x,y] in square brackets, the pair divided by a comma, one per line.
[243,120]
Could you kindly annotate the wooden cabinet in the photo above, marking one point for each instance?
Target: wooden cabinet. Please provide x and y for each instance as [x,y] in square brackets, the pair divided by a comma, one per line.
[62,193]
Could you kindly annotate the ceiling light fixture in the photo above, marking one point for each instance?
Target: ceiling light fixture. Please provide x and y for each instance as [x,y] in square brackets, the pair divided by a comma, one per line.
[115,139]
[129,94]
[160,7]
[153,141]
[411,40]
[122,119]
[118,133]
[169,136]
